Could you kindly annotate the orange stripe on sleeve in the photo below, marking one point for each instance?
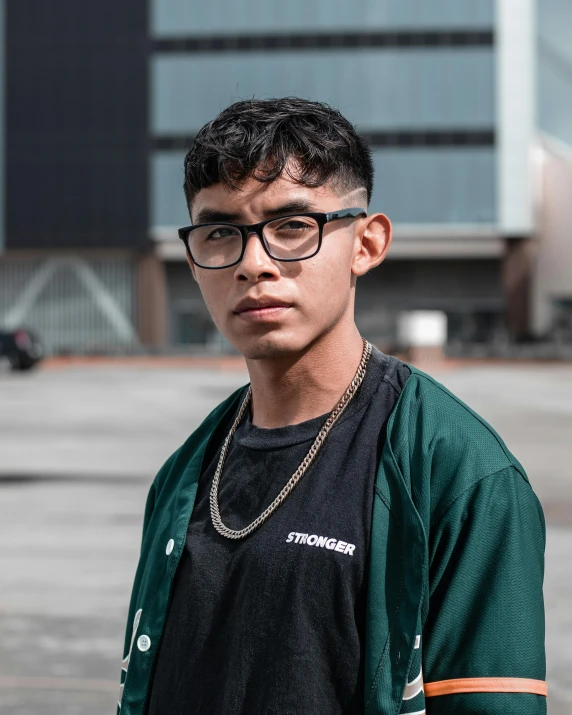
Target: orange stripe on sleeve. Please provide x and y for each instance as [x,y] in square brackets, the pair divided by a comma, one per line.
[485,685]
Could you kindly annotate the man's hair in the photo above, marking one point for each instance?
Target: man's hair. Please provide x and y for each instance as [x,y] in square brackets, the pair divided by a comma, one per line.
[262,138]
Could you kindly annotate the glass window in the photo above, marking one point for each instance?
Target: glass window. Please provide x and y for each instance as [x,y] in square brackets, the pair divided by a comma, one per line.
[168,206]
[426,185]
[377,89]
[406,186]
[555,68]
[555,97]
[2,128]
[192,17]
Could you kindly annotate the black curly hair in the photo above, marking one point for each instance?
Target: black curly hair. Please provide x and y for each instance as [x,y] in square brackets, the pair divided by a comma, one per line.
[262,138]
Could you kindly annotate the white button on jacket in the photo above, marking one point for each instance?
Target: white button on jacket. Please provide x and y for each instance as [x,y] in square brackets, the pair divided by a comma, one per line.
[143,643]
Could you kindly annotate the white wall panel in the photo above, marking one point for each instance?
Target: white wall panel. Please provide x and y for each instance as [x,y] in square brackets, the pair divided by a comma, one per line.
[516,121]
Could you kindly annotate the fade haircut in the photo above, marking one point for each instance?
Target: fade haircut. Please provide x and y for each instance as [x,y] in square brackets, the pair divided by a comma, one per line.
[263,138]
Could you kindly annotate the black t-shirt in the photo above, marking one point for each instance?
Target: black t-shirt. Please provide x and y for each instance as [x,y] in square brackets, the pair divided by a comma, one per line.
[274,624]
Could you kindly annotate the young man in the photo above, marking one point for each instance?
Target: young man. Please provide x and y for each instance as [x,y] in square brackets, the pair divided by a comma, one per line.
[343,535]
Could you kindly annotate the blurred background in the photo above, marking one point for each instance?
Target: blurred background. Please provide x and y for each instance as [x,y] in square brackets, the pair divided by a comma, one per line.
[468,109]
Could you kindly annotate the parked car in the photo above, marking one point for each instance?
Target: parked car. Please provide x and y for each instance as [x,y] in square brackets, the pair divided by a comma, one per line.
[22,348]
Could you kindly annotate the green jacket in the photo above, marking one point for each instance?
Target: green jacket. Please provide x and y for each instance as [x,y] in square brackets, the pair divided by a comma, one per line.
[455,617]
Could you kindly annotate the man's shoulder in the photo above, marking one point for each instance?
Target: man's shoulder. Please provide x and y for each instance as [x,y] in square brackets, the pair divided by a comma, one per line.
[441,420]
[435,436]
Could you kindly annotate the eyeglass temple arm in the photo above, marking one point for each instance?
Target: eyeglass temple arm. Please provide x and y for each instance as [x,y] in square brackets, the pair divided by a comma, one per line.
[345,213]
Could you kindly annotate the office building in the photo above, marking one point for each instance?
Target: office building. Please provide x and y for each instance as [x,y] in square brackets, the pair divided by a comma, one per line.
[466,105]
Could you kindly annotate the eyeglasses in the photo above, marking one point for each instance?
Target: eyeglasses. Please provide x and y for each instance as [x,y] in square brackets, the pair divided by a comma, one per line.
[286,238]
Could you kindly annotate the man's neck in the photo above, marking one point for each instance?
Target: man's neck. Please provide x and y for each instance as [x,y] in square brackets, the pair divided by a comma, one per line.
[292,390]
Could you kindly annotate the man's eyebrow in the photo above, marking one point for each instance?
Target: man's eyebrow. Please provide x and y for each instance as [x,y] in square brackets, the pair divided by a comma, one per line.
[215,215]
[207,215]
[295,206]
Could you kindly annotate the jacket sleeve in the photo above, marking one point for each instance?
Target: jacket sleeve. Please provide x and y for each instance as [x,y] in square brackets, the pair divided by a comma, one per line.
[483,636]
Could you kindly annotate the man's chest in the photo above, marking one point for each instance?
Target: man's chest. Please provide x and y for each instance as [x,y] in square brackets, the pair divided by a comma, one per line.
[322,527]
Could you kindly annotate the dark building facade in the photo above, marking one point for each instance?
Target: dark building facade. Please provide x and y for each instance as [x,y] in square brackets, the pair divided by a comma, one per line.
[76,124]
[76,190]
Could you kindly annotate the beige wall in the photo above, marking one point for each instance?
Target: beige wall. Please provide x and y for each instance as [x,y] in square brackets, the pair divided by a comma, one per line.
[151,301]
[553,263]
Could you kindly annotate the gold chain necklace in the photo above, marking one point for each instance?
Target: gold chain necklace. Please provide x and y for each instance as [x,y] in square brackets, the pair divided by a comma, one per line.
[299,473]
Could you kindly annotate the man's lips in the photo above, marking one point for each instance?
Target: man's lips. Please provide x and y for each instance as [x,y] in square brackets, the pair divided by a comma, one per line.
[262,308]
[247,304]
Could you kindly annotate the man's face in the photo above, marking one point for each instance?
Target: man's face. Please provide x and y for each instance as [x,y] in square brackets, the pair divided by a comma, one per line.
[267,308]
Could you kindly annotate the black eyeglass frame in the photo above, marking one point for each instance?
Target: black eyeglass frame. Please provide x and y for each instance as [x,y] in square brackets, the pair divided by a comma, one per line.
[321,219]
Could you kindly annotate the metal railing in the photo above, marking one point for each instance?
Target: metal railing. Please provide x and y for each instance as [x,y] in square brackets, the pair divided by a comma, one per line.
[75,304]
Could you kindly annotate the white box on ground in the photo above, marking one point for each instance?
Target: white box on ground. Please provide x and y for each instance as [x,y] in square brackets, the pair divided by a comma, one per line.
[422,328]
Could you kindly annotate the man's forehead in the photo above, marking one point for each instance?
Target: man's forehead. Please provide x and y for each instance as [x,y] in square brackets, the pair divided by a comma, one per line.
[256,197]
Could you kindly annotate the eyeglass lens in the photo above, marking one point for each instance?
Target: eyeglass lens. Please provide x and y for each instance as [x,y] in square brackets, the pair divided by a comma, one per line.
[293,238]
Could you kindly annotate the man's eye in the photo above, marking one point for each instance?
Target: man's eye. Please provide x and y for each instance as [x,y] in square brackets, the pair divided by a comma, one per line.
[294,225]
[220,233]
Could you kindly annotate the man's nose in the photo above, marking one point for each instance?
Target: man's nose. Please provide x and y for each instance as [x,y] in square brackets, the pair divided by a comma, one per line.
[255,261]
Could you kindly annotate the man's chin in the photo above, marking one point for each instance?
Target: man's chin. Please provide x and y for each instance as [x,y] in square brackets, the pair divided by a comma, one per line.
[271,346]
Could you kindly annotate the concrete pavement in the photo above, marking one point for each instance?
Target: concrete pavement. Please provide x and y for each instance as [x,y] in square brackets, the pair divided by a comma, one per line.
[78,450]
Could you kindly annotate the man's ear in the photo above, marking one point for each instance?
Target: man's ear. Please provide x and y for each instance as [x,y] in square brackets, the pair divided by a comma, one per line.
[373,238]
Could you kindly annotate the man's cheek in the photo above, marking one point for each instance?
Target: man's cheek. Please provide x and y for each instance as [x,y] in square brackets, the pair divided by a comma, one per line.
[214,300]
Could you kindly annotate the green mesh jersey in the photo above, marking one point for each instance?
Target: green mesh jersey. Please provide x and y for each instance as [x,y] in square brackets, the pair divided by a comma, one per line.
[455,617]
